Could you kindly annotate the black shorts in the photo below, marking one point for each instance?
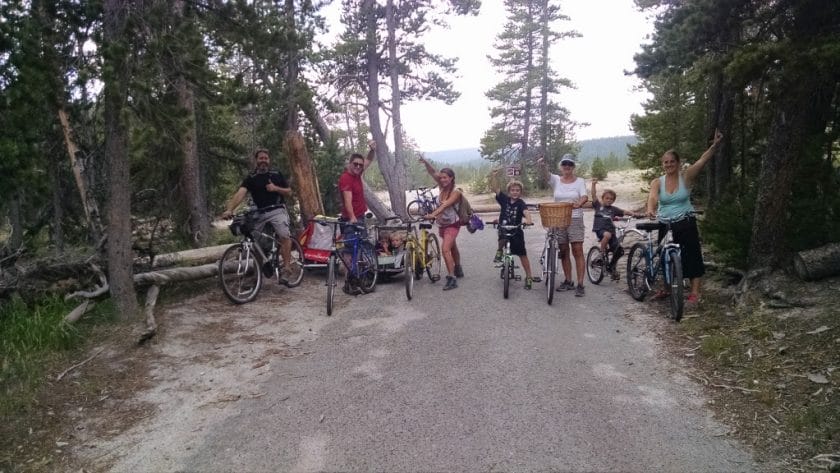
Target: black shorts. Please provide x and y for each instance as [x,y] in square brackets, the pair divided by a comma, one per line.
[613,243]
[688,236]
[517,242]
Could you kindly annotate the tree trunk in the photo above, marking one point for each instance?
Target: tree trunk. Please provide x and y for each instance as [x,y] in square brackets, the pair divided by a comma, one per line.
[58,212]
[803,111]
[305,179]
[16,222]
[89,205]
[120,256]
[292,68]
[394,170]
[818,263]
[192,189]
[373,61]
[722,117]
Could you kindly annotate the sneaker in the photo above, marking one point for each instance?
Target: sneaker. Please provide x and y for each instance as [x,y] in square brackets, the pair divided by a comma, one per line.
[615,275]
[459,271]
[351,290]
[268,269]
[692,300]
[451,283]
[579,291]
[528,283]
[498,257]
[566,286]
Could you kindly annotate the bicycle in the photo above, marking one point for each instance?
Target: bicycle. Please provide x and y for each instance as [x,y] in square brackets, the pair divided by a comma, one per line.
[508,265]
[422,253]
[598,263]
[424,203]
[361,269]
[553,216]
[243,265]
[645,261]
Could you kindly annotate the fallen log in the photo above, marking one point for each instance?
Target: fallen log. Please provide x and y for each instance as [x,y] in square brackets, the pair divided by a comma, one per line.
[166,276]
[194,257]
[818,263]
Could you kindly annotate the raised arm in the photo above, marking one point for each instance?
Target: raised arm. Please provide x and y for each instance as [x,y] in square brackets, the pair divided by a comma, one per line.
[495,185]
[594,190]
[429,168]
[693,170]
[371,153]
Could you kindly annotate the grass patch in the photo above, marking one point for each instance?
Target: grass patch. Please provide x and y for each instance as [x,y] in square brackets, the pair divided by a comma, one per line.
[715,346]
[31,335]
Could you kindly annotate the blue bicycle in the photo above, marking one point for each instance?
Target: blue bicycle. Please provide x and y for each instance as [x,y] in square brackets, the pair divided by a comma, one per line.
[355,251]
[646,260]
[424,203]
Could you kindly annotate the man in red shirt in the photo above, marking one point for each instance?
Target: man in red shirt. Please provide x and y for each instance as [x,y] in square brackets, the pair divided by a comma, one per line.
[353,205]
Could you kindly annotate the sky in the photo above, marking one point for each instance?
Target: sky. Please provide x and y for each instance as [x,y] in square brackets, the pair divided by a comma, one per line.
[612,30]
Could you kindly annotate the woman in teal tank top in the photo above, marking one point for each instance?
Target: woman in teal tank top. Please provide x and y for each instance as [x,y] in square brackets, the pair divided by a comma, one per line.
[670,198]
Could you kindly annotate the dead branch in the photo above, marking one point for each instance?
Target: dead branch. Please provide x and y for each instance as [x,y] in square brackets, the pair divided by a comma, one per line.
[166,276]
[78,312]
[77,365]
[193,257]
[101,289]
[149,310]
[745,390]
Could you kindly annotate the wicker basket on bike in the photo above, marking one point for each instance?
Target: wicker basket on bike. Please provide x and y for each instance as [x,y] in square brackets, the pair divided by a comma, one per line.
[556,214]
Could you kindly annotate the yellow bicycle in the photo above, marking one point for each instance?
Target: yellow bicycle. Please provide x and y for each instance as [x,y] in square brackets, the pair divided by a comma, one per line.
[422,253]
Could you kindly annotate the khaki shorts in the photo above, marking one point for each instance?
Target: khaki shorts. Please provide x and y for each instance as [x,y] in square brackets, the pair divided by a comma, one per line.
[574,233]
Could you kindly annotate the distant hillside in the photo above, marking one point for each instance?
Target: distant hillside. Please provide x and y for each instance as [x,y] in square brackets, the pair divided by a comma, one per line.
[589,149]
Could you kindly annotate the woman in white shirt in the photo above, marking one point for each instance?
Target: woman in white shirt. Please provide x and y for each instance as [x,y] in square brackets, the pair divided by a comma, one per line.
[569,188]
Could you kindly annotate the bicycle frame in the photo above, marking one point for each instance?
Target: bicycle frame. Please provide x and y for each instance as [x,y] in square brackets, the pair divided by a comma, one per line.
[426,201]
[658,256]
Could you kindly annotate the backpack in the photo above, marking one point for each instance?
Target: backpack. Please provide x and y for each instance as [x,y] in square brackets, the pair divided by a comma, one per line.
[466,217]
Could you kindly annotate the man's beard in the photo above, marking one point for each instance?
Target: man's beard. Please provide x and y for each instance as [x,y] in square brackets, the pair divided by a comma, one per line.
[262,168]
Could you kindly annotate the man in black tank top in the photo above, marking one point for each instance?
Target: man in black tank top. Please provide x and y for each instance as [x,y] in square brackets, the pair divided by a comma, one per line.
[268,190]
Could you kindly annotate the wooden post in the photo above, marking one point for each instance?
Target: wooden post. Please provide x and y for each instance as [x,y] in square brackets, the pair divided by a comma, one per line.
[305,180]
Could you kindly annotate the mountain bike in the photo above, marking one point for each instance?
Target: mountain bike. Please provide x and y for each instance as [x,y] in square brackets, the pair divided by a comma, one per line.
[508,264]
[424,203]
[646,260]
[422,254]
[598,264]
[243,265]
[356,253]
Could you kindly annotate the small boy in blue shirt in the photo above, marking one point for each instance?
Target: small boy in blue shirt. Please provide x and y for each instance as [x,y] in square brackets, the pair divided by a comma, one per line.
[603,225]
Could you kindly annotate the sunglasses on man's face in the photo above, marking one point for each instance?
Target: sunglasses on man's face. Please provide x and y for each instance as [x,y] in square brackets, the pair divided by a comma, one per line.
[358,165]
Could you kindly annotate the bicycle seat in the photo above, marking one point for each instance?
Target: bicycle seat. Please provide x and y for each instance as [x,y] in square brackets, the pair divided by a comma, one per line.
[648,226]
[426,225]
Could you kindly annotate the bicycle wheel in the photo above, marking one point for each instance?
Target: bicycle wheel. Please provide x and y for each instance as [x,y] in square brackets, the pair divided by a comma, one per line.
[507,261]
[239,274]
[433,258]
[331,267]
[368,267]
[676,274]
[415,207]
[637,269]
[549,270]
[297,256]
[595,265]
[409,273]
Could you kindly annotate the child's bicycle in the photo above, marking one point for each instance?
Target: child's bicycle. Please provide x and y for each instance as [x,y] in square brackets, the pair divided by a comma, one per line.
[508,264]
[243,265]
[598,264]
[646,260]
[424,203]
[356,253]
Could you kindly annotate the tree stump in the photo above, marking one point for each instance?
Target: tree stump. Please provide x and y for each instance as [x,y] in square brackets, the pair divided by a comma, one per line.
[305,182]
[818,263]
